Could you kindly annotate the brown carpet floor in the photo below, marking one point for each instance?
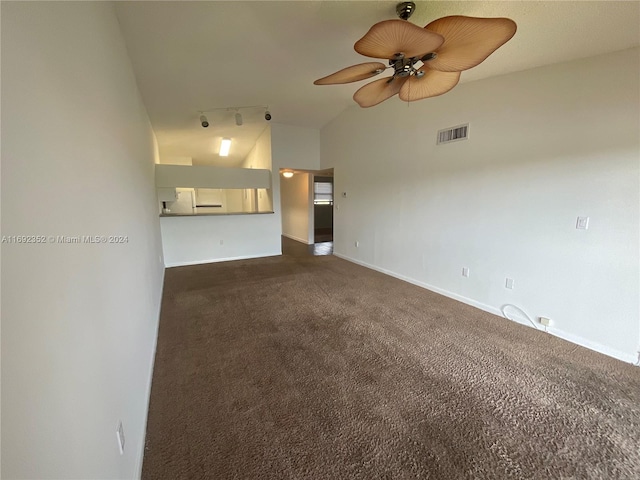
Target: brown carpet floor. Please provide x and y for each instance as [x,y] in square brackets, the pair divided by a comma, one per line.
[316,368]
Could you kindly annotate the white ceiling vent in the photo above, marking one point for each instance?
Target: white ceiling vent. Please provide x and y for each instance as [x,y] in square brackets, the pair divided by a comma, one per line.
[453,134]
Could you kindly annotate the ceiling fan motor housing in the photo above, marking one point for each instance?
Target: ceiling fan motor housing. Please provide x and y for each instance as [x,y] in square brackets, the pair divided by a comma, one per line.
[403,67]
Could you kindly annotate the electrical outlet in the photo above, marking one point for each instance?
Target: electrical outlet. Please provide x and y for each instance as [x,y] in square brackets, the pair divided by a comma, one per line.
[509,283]
[120,435]
[221,242]
[547,322]
[357,244]
[465,272]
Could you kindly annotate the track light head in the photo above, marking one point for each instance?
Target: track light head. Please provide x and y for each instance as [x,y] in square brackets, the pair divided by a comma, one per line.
[238,118]
[267,115]
[203,121]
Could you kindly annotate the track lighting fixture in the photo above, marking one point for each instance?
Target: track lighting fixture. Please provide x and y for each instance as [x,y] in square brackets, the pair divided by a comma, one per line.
[204,122]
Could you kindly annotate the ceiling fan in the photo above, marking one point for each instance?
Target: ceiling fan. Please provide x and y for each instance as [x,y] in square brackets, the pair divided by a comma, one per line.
[427,61]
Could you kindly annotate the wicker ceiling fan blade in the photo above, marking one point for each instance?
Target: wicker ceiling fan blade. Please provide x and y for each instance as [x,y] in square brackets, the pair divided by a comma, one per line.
[353,73]
[378,91]
[389,37]
[431,84]
[468,41]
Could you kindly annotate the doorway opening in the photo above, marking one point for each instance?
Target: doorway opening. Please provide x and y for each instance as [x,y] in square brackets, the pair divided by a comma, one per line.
[322,208]
[306,201]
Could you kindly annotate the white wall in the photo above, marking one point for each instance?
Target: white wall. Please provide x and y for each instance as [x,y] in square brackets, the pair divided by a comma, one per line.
[209,176]
[79,321]
[260,157]
[297,207]
[194,240]
[546,146]
[294,148]
[233,199]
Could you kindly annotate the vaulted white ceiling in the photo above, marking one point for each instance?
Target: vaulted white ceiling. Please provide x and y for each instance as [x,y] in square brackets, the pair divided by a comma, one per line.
[192,56]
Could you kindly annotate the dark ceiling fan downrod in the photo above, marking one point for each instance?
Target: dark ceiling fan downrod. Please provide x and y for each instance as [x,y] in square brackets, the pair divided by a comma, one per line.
[405,10]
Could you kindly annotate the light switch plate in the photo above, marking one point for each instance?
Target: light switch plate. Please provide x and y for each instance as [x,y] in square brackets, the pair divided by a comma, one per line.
[465,272]
[582,223]
[509,283]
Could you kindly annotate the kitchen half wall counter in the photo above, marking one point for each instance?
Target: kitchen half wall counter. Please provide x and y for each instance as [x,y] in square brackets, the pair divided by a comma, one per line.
[189,239]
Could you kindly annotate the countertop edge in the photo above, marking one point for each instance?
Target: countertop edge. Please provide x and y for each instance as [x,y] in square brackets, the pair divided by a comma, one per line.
[220,214]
